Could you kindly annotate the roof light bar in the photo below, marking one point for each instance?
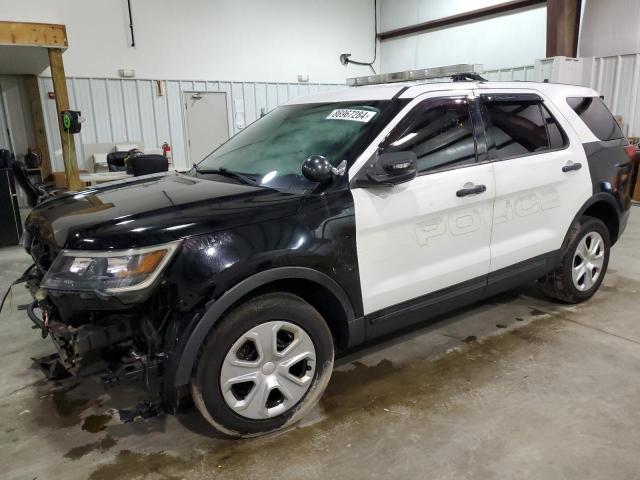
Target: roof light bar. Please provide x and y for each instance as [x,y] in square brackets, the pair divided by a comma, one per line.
[414,75]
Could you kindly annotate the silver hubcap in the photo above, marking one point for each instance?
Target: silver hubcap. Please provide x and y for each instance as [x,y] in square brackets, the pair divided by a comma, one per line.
[588,261]
[268,370]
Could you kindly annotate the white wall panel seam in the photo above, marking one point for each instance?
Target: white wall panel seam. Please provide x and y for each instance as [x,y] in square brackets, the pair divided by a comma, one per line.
[634,91]
[166,103]
[109,110]
[93,110]
[616,84]
[155,119]
[124,113]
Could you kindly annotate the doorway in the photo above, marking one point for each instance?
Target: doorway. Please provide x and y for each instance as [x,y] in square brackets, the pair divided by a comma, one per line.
[207,120]
[16,123]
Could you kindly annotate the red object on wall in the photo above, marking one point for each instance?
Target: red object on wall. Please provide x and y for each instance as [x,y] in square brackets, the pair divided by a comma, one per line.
[166,151]
[51,95]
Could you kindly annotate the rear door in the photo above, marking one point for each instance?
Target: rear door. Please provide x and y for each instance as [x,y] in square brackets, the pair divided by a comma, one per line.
[542,177]
[433,232]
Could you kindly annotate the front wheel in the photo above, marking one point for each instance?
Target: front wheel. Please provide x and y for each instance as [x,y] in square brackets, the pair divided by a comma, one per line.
[583,265]
[264,366]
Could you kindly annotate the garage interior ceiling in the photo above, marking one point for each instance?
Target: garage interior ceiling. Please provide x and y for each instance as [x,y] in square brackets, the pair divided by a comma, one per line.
[23,60]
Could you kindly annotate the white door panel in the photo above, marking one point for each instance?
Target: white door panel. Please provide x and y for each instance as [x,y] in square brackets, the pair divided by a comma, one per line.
[419,237]
[535,200]
[535,205]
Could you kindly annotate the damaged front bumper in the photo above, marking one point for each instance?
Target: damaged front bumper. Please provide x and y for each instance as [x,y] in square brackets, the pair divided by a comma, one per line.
[78,346]
[116,345]
[105,351]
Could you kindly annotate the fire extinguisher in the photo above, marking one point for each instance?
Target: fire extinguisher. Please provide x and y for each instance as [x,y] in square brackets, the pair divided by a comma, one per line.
[166,151]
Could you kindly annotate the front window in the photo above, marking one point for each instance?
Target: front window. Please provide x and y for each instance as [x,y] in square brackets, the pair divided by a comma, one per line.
[270,152]
[440,133]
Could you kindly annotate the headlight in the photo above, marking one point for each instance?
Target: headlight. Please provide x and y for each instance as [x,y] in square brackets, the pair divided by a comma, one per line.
[108,272]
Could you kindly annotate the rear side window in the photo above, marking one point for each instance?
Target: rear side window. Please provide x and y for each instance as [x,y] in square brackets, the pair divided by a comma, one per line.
[595,114]
[523,127]
[517,128]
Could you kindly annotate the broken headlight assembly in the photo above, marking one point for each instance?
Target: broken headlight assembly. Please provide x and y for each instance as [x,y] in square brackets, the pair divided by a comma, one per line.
[108,272]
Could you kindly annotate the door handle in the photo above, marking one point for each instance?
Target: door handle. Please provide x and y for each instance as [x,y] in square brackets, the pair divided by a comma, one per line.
[471,190]
[571,166]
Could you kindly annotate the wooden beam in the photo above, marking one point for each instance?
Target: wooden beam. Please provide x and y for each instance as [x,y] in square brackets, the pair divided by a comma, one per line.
[33,34]
[31,84]
[563,24]
[62,103]
[459,18]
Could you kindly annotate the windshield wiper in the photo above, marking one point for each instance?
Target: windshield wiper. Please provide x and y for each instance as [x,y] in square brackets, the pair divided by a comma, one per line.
[246,179]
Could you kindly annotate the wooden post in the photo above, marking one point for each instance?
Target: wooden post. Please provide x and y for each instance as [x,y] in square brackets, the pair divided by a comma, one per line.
[31,83]
[563,24]
[62,103]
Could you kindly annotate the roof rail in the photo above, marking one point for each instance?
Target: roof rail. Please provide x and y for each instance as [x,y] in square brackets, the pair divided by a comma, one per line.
[446,72]
[468,76]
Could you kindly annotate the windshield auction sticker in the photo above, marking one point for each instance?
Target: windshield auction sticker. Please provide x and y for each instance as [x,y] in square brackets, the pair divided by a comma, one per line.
[363,116]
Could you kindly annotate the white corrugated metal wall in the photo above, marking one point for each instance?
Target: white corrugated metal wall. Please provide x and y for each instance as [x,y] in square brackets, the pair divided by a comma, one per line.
[120,110]
[522,73]
[617,79]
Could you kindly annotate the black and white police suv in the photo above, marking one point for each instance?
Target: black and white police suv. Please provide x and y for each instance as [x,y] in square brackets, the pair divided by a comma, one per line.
[334,219]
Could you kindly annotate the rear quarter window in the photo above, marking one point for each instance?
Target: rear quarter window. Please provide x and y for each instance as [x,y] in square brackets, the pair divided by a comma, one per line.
[595,114]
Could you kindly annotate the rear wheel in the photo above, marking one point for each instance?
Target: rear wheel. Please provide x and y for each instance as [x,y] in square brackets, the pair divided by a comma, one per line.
[583,264]
[264,366]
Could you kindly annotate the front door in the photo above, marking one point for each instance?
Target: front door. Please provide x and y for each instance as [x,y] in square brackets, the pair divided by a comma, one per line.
[542,177]
[433,232]
[207,122]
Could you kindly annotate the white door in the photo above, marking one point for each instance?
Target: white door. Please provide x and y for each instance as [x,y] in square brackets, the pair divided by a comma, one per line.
[207,122]
[536,200]
[427,234]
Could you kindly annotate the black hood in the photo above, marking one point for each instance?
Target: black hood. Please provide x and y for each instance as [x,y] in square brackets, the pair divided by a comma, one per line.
[153,209]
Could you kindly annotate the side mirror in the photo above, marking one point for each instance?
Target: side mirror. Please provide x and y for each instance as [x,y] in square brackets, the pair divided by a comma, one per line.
[318,169]
[393,168]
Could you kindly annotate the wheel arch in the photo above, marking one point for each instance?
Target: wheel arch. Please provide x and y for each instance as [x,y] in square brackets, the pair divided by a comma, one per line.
[603,207]
[315,287]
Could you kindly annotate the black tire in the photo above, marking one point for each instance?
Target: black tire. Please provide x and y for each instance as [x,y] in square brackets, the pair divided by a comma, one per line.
[559,283]
[205,386]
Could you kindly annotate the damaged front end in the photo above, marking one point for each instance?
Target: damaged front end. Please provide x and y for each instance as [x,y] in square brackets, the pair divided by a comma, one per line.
[107,312]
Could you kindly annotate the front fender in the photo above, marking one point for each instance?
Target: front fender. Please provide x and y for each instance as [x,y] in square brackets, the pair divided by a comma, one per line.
[179,369]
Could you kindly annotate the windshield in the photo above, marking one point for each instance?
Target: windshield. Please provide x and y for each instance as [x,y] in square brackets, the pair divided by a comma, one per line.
[271,150]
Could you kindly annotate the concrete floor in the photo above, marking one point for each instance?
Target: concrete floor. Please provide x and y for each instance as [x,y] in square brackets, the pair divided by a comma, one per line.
[517,387]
